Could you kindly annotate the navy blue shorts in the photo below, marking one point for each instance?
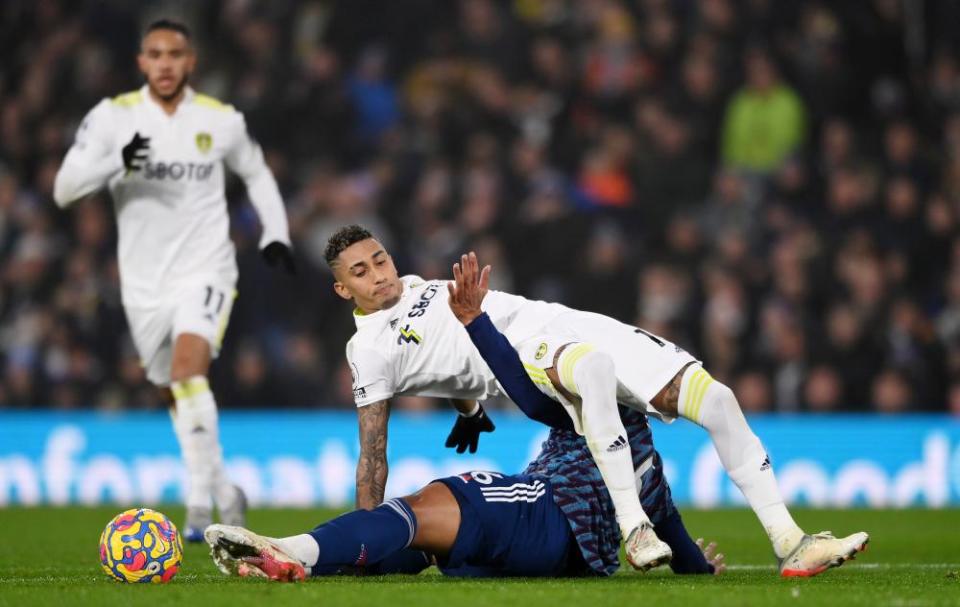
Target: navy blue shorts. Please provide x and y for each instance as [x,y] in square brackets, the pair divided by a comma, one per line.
[509,526]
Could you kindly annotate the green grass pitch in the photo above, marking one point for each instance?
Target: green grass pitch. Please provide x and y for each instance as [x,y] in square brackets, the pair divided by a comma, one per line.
[48,556]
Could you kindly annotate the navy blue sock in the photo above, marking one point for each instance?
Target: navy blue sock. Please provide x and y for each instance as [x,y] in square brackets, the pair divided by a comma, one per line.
[364,537]
[407,561]
[687,557]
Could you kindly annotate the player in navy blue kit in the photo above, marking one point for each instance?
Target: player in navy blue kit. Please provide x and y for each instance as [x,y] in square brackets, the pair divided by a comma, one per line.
[478,524]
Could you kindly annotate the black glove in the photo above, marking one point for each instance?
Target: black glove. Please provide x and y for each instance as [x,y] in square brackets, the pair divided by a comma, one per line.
[277,254]
[135,152]
[466,432]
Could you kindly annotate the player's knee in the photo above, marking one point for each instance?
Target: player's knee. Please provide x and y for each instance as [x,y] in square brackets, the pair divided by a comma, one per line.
[723,396]
[719,402]
[597,363]
[700,394]
[581,363]
[191,357]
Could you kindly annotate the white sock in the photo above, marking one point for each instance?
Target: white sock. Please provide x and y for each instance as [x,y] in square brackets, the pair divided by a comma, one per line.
[713,405]
[196,426]
[591,375]
[302,547]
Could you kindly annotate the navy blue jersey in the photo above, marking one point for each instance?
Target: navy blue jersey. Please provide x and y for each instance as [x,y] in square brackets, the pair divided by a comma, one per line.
[580,492]
[510,525]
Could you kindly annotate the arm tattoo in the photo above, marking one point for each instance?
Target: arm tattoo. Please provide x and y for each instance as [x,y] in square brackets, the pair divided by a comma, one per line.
[372,466]
[668,400]
[673,392]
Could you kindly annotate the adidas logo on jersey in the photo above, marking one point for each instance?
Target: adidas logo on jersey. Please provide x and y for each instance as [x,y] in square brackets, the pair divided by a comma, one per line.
[618,444]
[766,464]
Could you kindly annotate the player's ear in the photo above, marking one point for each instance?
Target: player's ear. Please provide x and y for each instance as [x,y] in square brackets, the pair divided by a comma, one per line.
[341,289]
[142,63]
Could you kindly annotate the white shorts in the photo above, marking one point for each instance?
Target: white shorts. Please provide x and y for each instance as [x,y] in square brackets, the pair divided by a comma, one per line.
[201,309]
[644,362]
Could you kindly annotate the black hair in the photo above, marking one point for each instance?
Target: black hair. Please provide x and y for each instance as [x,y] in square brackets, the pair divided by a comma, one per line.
[343,238]
[168,24]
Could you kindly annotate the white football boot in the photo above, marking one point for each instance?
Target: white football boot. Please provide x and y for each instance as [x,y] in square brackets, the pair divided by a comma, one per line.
[241,552]
[645,550]
[821,551]
[198,519]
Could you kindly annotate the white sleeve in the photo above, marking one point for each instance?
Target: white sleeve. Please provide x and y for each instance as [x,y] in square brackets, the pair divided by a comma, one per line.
[245,158]
[372,378]
[91,160]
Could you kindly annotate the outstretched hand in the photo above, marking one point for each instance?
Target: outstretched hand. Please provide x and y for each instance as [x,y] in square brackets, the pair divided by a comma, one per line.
[469,287]
[713,557]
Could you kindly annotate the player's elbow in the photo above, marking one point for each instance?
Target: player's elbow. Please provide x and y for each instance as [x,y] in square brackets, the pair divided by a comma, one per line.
[63,191]
[254,178]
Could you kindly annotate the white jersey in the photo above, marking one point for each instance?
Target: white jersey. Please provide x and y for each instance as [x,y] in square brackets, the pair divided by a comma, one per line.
[419,347]
[172,214]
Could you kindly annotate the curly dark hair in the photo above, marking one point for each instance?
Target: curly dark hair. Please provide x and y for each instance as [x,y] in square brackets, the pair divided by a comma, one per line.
[343,238]
[169,24]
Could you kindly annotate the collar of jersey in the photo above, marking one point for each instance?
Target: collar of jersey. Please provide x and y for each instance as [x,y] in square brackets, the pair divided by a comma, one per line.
[188,94]
[381,316]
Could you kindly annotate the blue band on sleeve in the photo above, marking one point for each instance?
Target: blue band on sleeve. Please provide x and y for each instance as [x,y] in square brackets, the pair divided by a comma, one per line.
[505,363]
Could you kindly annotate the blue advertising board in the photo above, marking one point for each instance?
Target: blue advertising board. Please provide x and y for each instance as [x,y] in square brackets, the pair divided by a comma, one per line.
[288,458]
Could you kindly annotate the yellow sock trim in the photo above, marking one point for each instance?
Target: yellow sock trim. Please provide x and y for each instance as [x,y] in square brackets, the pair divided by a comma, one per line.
[568,361]
[696,389]
[537,375]
[190,387]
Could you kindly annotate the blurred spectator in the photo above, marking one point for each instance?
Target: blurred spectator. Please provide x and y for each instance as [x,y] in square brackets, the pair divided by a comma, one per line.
[892,393]
[823,391]
[373,96]
[754,392]
[665,302]
[954,400]
[765,121]
[252,384]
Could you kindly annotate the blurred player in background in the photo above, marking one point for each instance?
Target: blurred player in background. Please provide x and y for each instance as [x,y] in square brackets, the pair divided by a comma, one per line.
[160,150]
[585,362]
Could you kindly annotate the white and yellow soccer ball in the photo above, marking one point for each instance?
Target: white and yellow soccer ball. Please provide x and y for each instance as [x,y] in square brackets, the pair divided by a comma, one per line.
[141,546]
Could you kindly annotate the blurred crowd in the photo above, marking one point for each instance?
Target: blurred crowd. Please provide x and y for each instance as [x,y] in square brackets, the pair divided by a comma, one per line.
[773,185]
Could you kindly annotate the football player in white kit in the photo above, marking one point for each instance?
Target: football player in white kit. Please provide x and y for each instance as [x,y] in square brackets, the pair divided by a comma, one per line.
[160,151]
[408,344]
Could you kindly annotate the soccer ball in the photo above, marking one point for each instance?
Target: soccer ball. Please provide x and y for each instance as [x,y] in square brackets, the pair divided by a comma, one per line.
[141,545]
